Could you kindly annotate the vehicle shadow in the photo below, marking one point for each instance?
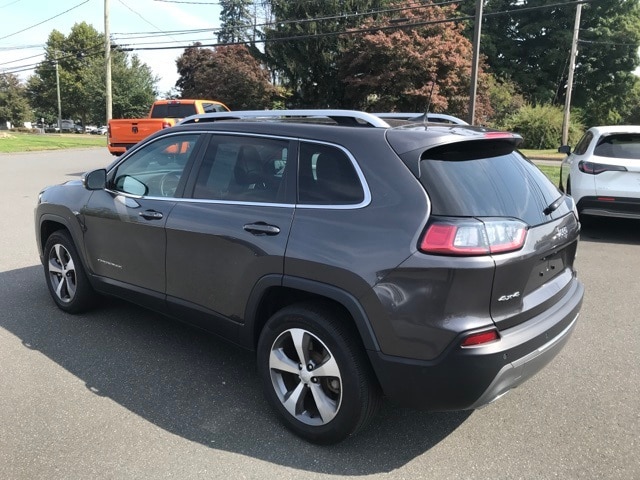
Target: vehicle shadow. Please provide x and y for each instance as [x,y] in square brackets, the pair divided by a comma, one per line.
[610,230]
[197,386]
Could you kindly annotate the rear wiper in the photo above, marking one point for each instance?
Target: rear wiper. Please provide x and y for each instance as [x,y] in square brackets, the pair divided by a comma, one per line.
[553,206]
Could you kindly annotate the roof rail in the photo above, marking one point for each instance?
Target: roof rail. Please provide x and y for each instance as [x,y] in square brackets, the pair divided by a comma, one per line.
[341,117]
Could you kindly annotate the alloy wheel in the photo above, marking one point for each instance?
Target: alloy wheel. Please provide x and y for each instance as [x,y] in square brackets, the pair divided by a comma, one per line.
[305,377]
[62,273]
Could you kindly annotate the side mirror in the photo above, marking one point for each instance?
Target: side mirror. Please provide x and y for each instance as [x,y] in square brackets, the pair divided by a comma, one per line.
[131,185]
[566,149]
[95,180]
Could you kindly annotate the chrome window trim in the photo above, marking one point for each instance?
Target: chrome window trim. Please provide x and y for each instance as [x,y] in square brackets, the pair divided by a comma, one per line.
[353,206]
[363,182]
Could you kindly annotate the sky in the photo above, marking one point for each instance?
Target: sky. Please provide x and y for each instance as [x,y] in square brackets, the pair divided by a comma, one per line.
[25,26]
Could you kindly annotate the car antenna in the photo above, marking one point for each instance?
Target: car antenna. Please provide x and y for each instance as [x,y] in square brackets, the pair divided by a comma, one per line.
[426,113]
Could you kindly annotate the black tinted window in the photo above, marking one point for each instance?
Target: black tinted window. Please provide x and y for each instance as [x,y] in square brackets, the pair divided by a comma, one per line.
[500,186]
[327,177]
[583,144]
[619,146]
[212,107]
[173,110]
[244,169]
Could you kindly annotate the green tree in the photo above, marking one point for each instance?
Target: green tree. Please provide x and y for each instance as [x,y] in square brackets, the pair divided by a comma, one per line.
[505,100]
[80,60]
[236,21]
[304,49]
[395,69]
[541,126]
[14,106]
[531,48]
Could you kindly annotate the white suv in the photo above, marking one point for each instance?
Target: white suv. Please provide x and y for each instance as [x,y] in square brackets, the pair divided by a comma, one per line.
[603,172]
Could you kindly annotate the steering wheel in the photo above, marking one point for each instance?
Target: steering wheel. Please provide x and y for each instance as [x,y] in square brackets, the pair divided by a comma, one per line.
[169,184]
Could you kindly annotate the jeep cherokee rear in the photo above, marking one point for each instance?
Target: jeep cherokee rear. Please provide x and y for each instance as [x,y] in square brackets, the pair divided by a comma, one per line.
[431,264]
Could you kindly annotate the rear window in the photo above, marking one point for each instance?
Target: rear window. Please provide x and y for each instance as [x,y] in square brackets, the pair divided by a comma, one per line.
[173,110]
[619,146]
[503,185]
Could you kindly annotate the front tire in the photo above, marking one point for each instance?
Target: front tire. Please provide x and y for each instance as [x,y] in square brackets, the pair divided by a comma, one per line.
[315,373]
[66,279]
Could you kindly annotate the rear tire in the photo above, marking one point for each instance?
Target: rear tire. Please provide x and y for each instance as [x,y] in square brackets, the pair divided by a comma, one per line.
[315,373]
[66,279]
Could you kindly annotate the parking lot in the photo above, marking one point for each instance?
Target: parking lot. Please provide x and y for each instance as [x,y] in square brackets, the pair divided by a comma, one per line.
[124,393]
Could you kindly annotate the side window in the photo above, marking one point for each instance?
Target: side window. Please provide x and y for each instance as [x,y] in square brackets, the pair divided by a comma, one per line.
[209,107]
[583,144]
[243,169]
[326,176]
[156,169]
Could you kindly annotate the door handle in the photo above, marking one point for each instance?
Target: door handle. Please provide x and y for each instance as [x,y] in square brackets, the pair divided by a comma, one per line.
[151,215]
[262,228]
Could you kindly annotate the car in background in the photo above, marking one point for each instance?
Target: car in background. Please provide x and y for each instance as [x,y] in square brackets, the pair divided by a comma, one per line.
[432,265]
[602,173]
[439,118]
[99,131]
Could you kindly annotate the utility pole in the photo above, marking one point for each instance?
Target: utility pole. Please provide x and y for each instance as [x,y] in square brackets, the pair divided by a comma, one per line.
[477,29]
[572,66]
[107,58]
[58,93]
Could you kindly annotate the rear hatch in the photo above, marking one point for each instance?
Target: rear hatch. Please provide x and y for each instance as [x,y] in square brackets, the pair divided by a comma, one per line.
[487,199]
[131,132]
[616,165]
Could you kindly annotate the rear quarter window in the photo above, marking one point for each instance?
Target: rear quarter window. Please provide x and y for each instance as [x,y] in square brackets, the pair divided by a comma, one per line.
[327,176]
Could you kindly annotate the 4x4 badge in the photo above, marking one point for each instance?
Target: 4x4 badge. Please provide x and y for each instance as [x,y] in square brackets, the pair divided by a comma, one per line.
[511,296]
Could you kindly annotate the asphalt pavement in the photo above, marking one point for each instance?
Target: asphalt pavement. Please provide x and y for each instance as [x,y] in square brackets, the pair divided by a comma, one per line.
[123,393]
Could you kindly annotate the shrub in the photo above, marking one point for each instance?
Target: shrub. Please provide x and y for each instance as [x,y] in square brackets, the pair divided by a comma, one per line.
[541,126]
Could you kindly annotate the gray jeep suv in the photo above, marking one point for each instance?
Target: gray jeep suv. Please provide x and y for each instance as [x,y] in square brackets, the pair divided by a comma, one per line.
[429,264]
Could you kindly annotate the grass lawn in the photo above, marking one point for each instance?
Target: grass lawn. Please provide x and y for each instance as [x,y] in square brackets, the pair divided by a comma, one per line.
[551,171]
[543,154]
[11,142]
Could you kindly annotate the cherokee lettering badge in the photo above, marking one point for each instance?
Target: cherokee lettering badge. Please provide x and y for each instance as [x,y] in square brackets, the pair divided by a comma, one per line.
[511,296]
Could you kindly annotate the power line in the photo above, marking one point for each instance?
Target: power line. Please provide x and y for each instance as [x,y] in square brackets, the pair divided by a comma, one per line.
[10,3]
[128,47]
[21,59]
[144,19]
[44,21]
[617,44]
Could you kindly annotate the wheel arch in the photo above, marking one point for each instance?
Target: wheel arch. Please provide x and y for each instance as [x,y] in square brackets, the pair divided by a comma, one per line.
[50,223]
[275,292]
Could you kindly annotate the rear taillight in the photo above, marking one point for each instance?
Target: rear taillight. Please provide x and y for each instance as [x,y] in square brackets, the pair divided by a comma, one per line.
[473,237]
[596,168]
[480,339]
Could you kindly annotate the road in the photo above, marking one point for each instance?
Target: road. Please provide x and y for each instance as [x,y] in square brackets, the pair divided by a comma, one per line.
[124,393]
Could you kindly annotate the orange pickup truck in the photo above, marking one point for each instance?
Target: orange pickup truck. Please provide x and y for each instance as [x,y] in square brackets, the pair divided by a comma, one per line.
[124,133]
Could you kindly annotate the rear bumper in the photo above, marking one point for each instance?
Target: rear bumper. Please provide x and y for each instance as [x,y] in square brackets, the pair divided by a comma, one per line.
[468,378]
[619,207]
[119,148]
